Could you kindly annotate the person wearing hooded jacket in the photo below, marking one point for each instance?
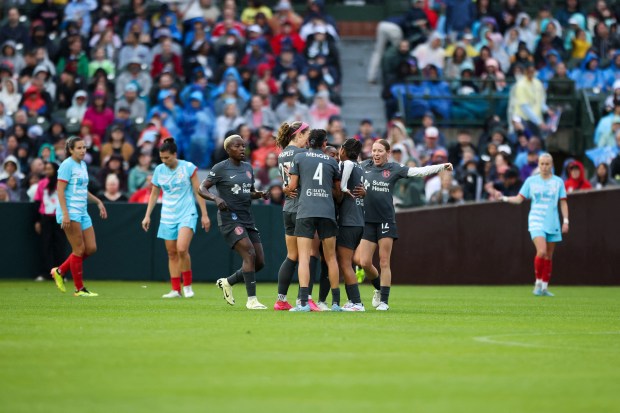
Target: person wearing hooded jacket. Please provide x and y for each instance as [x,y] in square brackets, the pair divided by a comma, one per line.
[197,139]
[589,75]
[545,73]
[577,179]
[10,167]
[8,53]
[78,107]
[10,98]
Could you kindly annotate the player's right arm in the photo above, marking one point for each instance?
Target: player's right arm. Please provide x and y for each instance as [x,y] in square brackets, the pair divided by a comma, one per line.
[146,222]
[209,196]
[524,194]
[62,200]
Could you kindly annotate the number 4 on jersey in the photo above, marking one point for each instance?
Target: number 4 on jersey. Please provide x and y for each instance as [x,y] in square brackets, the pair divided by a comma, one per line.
[318,174]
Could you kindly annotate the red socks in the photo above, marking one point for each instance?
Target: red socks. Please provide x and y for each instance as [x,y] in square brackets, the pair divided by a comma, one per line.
[546,275]
[66,266]
[187,278]
[76,271]
[539,267]
[176,284]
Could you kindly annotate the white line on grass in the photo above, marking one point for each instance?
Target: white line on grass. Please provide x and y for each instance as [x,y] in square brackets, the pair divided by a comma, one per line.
[497,339]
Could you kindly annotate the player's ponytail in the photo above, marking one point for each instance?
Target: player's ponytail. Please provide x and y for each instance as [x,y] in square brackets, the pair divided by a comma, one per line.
[317,138]
[287,132]
[70,144]
[352,148]
[169,146]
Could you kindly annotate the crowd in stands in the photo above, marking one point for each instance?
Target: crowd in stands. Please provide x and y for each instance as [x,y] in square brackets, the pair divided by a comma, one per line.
[126,74]
[452,60]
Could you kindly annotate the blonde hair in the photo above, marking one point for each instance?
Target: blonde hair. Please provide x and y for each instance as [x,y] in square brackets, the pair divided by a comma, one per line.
[228,140]
[546,155]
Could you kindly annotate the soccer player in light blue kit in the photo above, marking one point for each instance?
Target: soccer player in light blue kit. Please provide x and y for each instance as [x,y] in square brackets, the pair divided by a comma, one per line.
[545,190]
[179,183]
[73,217]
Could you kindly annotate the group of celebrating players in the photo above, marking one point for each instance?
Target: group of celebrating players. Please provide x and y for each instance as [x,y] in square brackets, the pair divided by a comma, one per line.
[336,214]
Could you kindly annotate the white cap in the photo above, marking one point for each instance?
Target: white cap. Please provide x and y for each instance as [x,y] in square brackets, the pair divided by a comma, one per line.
[255,28]
[504,148]
[431,132]
[617,84]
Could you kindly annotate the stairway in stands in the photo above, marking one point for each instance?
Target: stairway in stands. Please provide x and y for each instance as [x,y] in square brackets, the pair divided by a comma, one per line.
[360,99]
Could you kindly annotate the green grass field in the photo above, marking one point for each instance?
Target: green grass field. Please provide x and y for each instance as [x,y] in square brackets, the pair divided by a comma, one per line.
[438,349]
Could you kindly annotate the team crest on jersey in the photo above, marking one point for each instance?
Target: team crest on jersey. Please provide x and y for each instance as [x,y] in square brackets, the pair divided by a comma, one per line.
[386,174]
[238,230]
[249,174]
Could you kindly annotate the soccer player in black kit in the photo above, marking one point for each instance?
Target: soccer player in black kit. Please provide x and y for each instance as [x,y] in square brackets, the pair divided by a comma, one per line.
[380,220]
[234,180]
[316,175]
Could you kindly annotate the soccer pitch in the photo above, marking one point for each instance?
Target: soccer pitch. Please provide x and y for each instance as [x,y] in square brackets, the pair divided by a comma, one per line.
[438,349]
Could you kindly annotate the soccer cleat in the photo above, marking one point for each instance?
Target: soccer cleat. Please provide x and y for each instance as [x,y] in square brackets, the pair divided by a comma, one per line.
[547,293]
[323,306]
[188,292]
[85,293]
[313,306]
[336,308]
[57,276]
[350,307]
[537,291]
[226,290]
[383,306]
[376,298]
[282,306]
[172,294]
[301,308]
[360,274]
[253,304]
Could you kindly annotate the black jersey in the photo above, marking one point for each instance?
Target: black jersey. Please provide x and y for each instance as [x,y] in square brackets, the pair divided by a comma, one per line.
[285,160]
[317,173]
[234,185]
[351,211]
[379,183]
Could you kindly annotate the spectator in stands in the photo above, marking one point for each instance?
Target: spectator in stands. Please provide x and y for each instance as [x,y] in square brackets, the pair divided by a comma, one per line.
[258,115]
[114,165]
[33,103]
[580,40]
[493,80]
[322,109]
[436,189]
[462,144]
[608,136]
[552,58]
[100,115]
[589,75]
[100,61]
[112,192]
[131,101]
[228,121]
[430,145]
[290,109]
[459,15]
[577,179]
[139,174]
[9,56]
[601,14]
[13,29]
[9,95]
[366,131]
[393,31]
[10,168]
[602,177]
[529,101]
[143,194]
[603,44]
[265,144]
[455,64]
[75,61]
[167,110]
[612,73]
[196,141]
[78,106]
[117,145]
[431,52]
[166,60]
[254,7]
[6,121]
[287,35]
[571,8]
[133,73]
[561,85]
[132,49]
[269,172]
[109,41]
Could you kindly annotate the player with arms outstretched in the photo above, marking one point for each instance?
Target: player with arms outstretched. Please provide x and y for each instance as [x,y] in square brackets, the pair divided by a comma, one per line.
[380,219]
[545,190]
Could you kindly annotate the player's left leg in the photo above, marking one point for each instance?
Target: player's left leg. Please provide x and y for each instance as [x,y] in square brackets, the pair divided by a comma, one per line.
[184,240]
[90,247]
[345,264]
[329,252]
[385,256]
[173,268]
[547,267]
[248,253]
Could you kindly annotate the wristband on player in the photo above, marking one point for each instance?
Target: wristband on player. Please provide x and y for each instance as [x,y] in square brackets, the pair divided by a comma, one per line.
[504,198]
[566,221]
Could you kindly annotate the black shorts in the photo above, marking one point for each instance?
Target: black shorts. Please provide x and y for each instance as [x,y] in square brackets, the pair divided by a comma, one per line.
[374,231]
[289,223]
[349,237]
[325,227]
[234,233]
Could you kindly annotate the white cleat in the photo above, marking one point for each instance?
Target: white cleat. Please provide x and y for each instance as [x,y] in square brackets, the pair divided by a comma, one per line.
[188,292]
[323,306]
[253,304]
[172,294]
[383,306]
[226,290]
[376,298]
[350,307]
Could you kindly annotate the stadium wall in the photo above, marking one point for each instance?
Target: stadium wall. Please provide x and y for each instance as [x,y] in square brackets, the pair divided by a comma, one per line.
[489,244]
[485,244]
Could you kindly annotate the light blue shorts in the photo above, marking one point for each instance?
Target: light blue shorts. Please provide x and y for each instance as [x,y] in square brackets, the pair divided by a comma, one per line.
[84,220]
[549,237]
[171,231]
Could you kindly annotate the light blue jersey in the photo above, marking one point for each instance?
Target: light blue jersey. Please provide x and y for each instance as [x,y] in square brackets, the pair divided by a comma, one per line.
[178,201]
[545,195]
[76,194]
